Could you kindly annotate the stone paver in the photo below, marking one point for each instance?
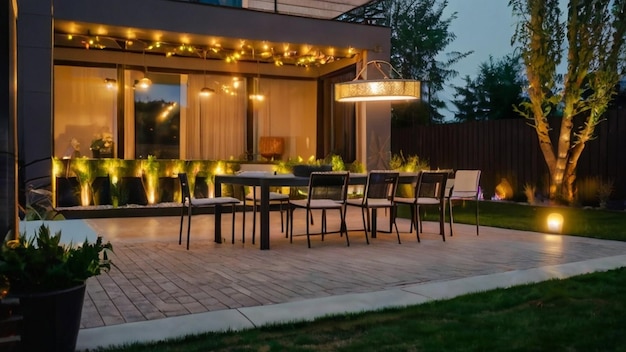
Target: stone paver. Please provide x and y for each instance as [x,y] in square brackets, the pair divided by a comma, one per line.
[155,278]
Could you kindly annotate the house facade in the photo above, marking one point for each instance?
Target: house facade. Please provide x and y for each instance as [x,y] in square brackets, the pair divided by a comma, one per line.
[264,68]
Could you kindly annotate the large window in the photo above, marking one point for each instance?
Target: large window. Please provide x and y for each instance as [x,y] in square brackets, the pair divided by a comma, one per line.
[101,107]
[157,118]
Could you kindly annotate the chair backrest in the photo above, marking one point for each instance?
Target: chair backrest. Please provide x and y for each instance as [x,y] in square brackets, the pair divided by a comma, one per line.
[184,186]
[381,185]
[449,186]
[466,183]
[331,185]
[432,184]
[255,170]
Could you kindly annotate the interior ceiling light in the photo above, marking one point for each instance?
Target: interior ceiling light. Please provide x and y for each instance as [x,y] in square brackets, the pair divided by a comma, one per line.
[256,91]
[206,91]
[385,89]
[145,82]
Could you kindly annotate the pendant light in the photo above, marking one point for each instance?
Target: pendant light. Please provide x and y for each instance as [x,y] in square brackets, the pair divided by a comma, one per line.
[145,82]
[206,91]
[256,91]
[385,89]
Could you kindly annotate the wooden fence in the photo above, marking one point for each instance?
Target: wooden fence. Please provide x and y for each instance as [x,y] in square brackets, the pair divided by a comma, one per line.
[509,149]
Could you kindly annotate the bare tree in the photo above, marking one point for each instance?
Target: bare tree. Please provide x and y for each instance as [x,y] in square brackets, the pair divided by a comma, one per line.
[593,35]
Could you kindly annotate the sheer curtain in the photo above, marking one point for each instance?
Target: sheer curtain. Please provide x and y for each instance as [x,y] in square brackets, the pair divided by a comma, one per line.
[215,126]
[289,111]
[84,107]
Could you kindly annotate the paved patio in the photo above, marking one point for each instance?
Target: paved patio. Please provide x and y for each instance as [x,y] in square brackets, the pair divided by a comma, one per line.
[155,278]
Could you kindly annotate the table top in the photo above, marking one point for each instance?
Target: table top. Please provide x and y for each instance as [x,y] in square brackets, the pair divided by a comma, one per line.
[258,178]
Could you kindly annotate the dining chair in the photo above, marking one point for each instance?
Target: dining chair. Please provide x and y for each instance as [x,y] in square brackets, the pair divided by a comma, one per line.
[429,190]
[379,193]
[326,191]
[465,188]
[189,203]
[253,198]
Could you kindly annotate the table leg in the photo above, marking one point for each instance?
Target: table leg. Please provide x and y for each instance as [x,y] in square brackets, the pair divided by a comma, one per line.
[264,213]
[374,222]
[218,214]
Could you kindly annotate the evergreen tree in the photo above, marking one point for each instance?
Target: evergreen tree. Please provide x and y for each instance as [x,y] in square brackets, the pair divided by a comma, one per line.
[493,94]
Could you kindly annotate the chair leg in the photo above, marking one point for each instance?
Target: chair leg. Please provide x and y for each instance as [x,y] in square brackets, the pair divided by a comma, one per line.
[442,221]
[412,210]
[365,228]
[253,222]
[419,218]
[394,213]
[477,225]
[233,225]
[287,216]
[364,224]
[414,218]
[344,227]
[282,224]
[308,237]
[243,227]
[324,228]
[180,232]
[291,209]
[188,226]
[450,220]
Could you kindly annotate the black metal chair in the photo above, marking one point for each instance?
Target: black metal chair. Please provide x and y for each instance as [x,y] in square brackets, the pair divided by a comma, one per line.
[189,203]
[254,199]
[326,191]
[430,189]
[380,191]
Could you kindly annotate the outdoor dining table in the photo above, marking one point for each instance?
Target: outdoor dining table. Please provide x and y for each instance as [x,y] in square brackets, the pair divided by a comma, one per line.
[265,180]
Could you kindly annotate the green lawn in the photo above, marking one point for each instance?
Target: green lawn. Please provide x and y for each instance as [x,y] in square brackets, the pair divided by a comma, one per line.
[583,313]
[594,223]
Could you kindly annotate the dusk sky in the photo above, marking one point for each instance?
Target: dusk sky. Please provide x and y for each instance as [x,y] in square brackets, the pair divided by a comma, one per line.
[484,26]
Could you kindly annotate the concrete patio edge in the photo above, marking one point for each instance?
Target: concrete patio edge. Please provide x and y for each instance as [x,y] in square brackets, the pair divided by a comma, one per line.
[307,310]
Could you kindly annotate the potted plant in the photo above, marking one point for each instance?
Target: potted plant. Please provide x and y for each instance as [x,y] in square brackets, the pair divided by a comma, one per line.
[96,144]
[49,279]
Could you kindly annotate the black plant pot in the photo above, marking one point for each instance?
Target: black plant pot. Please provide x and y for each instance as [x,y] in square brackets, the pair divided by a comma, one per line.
[51,320]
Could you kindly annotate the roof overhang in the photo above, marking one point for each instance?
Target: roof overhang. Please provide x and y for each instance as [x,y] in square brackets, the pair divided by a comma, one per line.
[199,26]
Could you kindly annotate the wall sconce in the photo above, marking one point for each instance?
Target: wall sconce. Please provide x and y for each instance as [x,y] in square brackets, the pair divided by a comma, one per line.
[555,223]
[110,83]
[385,89]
